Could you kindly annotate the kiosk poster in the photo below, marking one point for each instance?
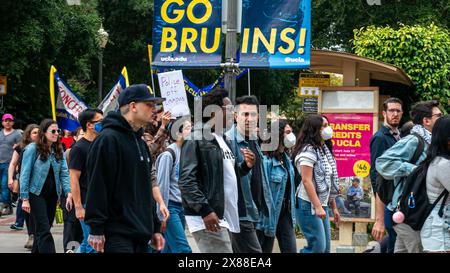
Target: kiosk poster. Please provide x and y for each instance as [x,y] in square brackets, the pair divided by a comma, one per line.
[275,34]
[187,33]
[351,147]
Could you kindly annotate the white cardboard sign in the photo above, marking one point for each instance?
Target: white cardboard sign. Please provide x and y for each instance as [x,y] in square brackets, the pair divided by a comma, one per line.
[172,89]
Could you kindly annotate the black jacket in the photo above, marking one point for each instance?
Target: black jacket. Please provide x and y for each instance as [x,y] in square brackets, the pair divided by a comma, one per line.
[201,177]
[119,195]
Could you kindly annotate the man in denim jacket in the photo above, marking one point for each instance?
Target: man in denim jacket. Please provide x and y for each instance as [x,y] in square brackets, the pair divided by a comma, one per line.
[395,165]
[254,185]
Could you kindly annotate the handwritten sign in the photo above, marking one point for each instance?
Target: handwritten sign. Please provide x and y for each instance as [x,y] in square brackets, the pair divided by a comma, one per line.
[172,89]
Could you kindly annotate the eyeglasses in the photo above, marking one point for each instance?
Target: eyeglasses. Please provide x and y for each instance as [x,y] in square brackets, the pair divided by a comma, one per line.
[57,131]
[395,111]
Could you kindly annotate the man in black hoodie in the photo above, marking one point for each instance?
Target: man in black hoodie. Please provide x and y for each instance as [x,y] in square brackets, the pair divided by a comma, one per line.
[120,209]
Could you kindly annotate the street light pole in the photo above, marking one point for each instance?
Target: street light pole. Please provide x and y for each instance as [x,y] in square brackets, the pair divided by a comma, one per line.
[230,51]
[103,39]
[100,76]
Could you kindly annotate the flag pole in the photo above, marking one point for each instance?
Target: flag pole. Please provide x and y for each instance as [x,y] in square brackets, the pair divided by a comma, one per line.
[52,91]
[150,57]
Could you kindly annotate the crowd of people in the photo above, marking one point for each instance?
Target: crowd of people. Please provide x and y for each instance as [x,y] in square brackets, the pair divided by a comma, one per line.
[135,179]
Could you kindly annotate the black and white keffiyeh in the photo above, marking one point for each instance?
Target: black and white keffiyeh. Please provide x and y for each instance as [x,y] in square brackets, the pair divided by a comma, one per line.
[422,132]
[327,176]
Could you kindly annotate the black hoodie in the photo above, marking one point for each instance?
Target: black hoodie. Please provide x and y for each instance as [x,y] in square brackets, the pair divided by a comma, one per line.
[119,196]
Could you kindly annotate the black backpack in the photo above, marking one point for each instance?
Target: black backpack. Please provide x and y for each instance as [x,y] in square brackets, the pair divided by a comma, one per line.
[414,202]
[386,187]
[297,180]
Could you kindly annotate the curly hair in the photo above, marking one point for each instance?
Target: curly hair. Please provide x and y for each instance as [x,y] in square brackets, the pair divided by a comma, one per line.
[42,142]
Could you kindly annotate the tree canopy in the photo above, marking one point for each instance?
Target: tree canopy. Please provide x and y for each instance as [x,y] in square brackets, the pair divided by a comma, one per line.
[38,34]
[422,51]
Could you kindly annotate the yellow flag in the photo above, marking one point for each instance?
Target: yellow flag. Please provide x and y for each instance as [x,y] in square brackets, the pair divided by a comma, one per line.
[52,91]
[125,75]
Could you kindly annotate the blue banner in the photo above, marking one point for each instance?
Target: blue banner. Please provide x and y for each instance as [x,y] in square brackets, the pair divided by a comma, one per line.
[68,105]
[276,33]
[187,33]
[111,102]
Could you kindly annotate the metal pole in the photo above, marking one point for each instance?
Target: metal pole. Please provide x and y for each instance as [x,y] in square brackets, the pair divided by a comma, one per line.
[100,76]
[249,85]
[230,51]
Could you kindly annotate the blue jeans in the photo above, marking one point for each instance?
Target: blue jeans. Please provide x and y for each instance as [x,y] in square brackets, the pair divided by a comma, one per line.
[390,230]
[85,247]
[317,231]
[176,241]
[20,216]
[6,199]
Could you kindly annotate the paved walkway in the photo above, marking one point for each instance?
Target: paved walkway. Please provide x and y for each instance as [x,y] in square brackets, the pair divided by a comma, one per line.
[13,241]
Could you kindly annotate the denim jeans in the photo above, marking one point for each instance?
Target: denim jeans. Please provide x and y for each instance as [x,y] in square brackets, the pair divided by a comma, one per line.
[175,236]
[85,247]
[317,231]
[5,198]
[20,215]
[390,230]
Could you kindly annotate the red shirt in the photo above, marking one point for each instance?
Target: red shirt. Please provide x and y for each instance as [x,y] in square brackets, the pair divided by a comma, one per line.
[67,141]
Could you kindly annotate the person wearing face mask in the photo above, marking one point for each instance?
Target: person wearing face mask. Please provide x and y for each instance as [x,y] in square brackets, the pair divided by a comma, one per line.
[315,162]
[90,121]
[279,172]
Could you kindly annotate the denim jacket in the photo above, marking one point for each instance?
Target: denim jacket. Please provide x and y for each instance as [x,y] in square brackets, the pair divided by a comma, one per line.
[237,142]
[34,171]
[277,175]
[394,164]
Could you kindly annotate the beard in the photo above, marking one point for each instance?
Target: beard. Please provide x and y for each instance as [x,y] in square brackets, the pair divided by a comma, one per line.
[393,122]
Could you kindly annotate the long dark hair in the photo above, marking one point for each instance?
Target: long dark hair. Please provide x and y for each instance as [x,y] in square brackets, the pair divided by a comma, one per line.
[328,143]
[26,138]
[42,145]
[439,141]
[309,134]
[279,138]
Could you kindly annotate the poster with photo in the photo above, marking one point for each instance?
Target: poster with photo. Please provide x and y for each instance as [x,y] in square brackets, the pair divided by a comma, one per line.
[355,198]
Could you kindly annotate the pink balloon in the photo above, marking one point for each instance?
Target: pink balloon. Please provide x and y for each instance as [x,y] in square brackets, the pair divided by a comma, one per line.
[398,217]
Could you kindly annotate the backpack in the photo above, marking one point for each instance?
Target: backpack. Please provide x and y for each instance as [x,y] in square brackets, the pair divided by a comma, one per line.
[414,202]
[172,153]
[297,180]
[386,187]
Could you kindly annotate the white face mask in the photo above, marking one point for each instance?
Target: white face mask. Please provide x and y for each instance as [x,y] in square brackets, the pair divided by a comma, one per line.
[327,133]
[289,140]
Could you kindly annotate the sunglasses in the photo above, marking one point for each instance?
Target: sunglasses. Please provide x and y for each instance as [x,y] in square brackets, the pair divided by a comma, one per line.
[57,131]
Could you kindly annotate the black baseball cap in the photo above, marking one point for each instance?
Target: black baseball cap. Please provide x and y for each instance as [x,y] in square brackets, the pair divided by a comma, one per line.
[138,93]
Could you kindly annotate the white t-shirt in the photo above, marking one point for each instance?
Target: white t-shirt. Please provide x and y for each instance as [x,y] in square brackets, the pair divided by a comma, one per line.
[231,215]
